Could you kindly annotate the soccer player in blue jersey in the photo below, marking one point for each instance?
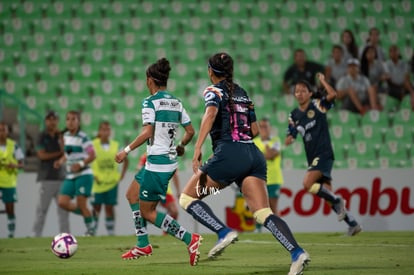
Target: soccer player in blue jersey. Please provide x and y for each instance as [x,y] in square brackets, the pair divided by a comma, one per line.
[78,155]
[230,119]
[162,114]
[309,120]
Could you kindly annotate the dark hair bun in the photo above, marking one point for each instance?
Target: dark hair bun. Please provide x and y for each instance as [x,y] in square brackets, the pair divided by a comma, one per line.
[164,66]
[160,71]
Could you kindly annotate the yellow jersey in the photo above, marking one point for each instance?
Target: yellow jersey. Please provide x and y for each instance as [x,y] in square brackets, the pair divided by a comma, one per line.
[274,169]
[104,168]
[8,176]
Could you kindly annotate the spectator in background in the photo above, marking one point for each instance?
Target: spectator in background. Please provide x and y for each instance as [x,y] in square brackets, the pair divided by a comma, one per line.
[399,84]
[355,90]
[271,148]
[107,176]
[348,44]
[300,70]
[374,41]
[336,66]
[374,69]
[11,159]
[49,148]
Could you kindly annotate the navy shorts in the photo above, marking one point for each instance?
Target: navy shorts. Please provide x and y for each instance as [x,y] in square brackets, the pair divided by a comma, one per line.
[233,162]
[323,164]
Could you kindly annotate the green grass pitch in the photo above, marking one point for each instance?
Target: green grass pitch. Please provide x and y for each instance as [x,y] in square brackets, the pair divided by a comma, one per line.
[331,253]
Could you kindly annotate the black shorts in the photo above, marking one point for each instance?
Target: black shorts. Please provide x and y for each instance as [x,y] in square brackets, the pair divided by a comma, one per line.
[233,162]
[324,164]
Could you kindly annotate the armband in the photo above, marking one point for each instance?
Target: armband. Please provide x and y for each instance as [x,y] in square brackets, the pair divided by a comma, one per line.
[127,149]
[81,164]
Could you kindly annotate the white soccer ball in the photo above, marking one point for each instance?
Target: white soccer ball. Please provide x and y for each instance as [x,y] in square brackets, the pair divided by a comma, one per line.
[64,245]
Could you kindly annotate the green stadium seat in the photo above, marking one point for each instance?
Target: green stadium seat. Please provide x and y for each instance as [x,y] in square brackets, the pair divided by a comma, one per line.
[282,118]
[377,118]
[293,162]
[293,156]
[344,118]
[261,9]
[287,163]
[403,116]
[396,151]
[364,150]
[371,133]
[341,134]
[390,104]
[406,101]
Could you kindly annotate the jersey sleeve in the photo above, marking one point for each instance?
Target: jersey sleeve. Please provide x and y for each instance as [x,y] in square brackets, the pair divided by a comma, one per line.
[87,144]
[148,112]
[212,96]
[277,145]
[323,105]
[18,153]
[185,118]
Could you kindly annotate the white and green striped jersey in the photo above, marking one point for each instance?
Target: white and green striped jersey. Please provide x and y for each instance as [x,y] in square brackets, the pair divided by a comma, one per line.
[77,147]
[166,113]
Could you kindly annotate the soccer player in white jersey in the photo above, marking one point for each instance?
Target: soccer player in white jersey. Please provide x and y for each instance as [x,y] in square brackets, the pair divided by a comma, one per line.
[79,153]
[162,114]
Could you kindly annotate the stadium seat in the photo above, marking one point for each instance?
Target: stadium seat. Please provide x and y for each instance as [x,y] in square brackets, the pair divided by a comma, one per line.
[404,115]
[370,133]
[341,134]
[364,151]
[376,118]
[344,118]
[390,104]
[396,150]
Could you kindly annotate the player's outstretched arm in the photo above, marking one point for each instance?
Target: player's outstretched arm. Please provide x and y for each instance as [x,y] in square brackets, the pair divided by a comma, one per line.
[329,89]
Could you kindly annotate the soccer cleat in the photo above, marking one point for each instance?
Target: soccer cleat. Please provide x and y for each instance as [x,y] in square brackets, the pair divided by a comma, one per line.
[136,252]
[222,243]
[341,209]
[90,233]
[297,266]
[353,230]
[193,248]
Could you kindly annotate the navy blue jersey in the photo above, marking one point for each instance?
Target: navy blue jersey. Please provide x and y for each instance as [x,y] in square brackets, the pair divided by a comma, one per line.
[312,125]
[229,125]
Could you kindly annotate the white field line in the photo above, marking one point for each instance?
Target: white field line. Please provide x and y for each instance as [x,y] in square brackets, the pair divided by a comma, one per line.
[330,244]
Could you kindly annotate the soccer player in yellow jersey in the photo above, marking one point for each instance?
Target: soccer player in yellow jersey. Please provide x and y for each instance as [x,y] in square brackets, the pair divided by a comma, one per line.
[106,176]
[270,146]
